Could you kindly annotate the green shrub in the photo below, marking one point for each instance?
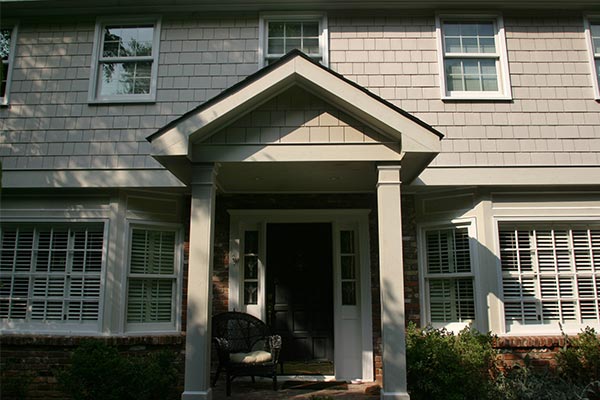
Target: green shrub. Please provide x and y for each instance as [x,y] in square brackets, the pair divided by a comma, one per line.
[579,360]
[441,365]
[99,372]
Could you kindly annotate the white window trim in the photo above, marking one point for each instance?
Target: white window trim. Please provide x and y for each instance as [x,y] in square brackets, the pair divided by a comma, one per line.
[534,330]
[60,328]
[4,101]
[470,224]
[154,327]
[262,32]
[504,92]
[590,20]
[93,95]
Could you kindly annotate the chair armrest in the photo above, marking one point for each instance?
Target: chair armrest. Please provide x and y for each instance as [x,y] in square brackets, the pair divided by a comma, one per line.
[223,349]
[274,343]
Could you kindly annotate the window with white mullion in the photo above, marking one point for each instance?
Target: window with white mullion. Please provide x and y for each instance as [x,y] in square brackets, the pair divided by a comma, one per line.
[41,281]
[473,57]
[348,262]
[152,278]
[251,265]
[8,36]
[448,276]
[593,35]
[125,61]
[279,34]
[560,286]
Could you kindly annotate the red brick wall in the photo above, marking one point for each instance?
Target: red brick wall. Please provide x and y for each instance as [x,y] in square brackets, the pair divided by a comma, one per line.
[32,362]
[539,349]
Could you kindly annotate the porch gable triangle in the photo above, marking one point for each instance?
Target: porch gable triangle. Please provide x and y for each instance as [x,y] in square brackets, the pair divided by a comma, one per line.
[299,117]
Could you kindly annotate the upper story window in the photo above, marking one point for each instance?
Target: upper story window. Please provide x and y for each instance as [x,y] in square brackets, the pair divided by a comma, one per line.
[472,58]
[125,61]
[448,277]
[550,276]
[8,40]
[593,34]
[280,34]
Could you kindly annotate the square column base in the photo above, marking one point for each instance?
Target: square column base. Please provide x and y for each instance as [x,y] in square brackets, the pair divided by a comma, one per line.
[394,395]
[197,395]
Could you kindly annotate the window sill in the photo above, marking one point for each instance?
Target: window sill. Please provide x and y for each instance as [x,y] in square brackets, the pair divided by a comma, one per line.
[97,102]
[476,98]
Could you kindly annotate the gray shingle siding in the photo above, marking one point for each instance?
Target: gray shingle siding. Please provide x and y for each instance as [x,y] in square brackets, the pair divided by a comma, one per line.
[552,120]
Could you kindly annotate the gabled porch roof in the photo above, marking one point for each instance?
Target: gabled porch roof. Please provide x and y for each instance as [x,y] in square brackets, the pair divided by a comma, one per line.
[181,142]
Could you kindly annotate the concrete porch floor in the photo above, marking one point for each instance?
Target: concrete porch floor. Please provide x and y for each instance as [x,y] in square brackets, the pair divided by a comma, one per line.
[262,390]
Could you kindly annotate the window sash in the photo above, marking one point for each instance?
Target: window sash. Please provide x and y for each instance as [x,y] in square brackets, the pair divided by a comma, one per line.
[451,299]
[550,274]
[594,43]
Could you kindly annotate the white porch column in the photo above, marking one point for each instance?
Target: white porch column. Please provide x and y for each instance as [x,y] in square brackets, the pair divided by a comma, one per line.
[199,300]
[391,272]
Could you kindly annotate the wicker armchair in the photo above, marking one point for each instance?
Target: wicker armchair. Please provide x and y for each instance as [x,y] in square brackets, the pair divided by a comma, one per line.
[245,347]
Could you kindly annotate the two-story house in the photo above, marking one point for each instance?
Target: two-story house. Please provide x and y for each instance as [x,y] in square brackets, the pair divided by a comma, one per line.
[334,168]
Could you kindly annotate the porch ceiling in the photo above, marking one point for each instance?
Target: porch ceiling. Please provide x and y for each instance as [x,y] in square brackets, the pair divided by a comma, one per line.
[389,133]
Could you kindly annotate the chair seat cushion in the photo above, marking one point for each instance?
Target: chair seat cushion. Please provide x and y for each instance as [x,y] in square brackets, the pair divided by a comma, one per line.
[257,356]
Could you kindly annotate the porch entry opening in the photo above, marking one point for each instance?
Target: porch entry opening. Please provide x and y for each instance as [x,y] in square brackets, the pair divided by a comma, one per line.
[299,295]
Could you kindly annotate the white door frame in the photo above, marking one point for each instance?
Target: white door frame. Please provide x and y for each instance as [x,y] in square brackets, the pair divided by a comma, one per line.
[353,354]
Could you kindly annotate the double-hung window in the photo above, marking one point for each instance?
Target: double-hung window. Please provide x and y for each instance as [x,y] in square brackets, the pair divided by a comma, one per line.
[550,276]
[472,58]
[8,40]
[153,281]
[593,35]
[279,34]
[125,61]
[448,277]
[50,276]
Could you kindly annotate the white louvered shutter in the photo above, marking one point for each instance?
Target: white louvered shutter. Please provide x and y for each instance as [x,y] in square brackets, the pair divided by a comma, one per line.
[51,272]
[550,274]
[152,276]
[449,275]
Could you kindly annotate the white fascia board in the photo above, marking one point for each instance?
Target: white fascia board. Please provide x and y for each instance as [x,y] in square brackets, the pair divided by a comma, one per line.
[508,176]
[27,179]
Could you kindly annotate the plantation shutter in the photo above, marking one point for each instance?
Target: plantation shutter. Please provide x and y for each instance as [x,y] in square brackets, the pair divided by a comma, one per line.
[550,275]
[152,276]
[51,272]
[449,275]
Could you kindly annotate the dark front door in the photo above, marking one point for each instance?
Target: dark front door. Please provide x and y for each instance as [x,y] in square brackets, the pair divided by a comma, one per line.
[299,289]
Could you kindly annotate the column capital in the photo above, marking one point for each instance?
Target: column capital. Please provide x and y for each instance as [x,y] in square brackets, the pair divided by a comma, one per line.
[204,174]
[388,175]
